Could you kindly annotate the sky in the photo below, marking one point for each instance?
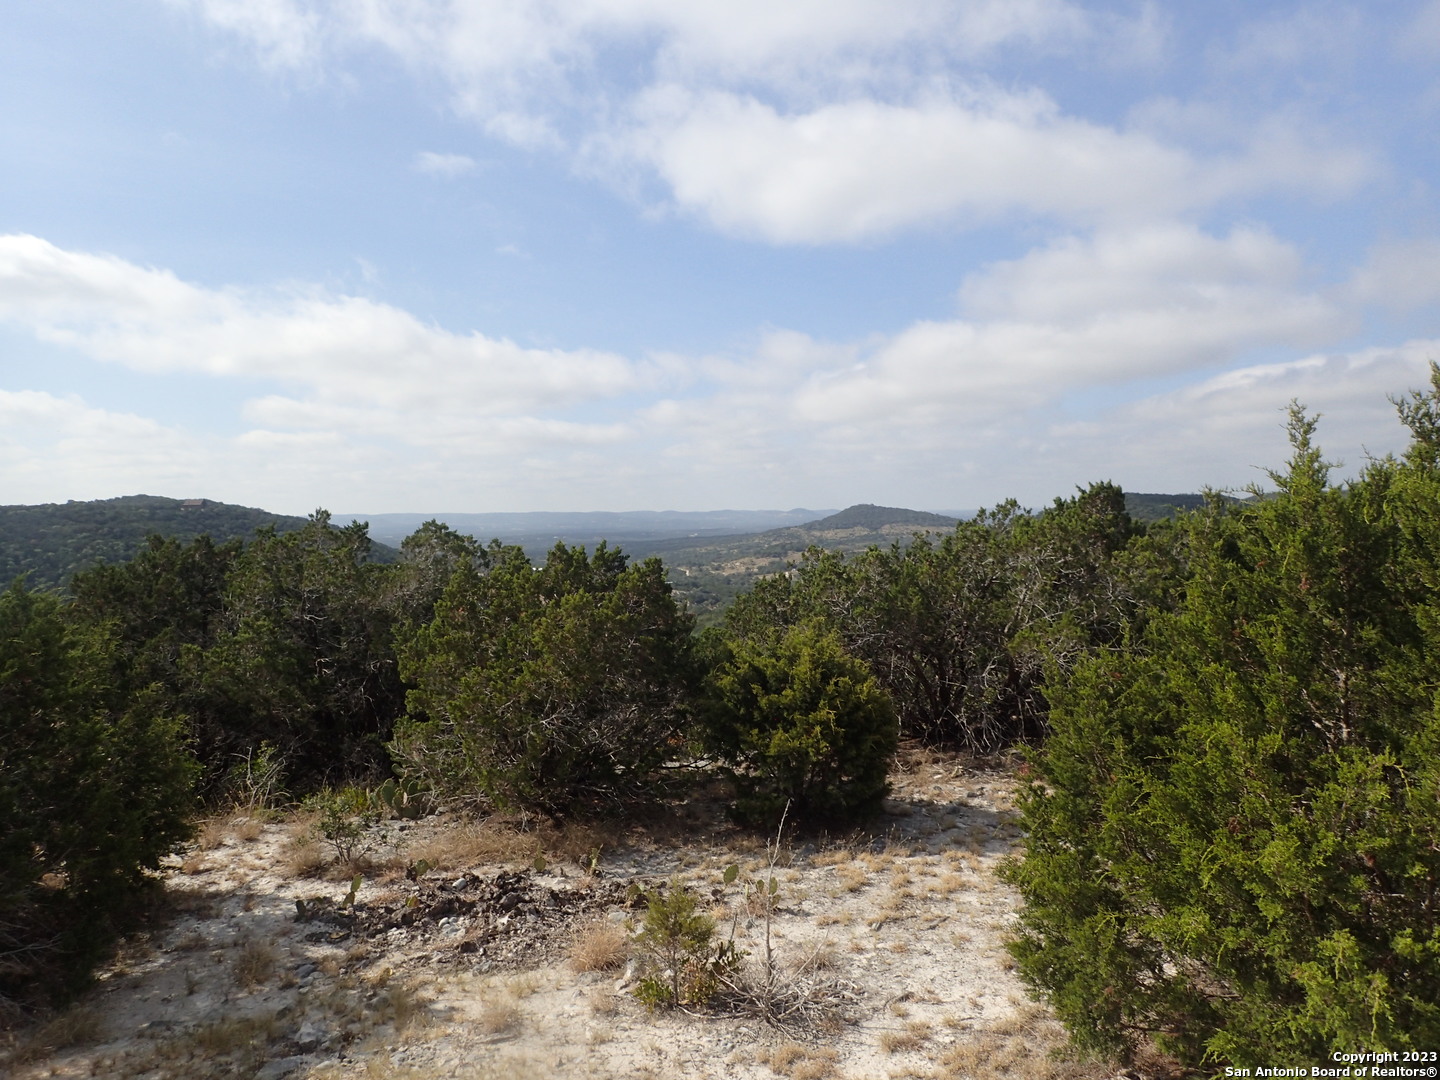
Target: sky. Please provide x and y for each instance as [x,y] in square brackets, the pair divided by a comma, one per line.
[512,255]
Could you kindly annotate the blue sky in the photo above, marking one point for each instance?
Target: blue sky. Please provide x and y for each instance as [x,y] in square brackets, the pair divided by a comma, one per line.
[464,256]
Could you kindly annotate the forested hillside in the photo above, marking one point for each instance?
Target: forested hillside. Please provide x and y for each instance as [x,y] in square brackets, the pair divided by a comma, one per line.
[870,516]
[53,541]
[1143,506]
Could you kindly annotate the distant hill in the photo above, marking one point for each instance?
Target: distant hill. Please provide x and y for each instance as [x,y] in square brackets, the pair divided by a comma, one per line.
[708,572]
[1150,507]
[52,541]
[538,531]
[870,516]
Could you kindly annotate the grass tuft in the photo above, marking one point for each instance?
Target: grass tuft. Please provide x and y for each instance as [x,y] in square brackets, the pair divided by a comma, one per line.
[600,945]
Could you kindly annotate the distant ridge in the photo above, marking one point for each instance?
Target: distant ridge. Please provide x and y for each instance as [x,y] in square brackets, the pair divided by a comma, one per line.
[52,541]
[870,516]
[537,531]
[1149,506]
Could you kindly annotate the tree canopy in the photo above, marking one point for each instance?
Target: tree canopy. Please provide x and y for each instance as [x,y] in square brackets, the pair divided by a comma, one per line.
[1234,831]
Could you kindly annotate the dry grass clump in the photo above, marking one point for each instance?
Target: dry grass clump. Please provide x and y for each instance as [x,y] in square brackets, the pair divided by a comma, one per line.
[247,829]
[459,847]
[575,841]
[499,1016]
[894,1042]
[600,945]
[215,832]
[889,911]
[958,860]
[851,877]
[1029,1045]
[876,861]
[836,856]
[816,1067]
[508,840]
[916,759]
[384,1067]
[195,863]
[254,963]
[911,1037]
[800,1062]
[302,856]
[948,885]
[212,834]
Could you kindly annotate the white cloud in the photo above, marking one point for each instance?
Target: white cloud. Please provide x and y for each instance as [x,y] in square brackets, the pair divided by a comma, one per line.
[351,354]
[54,447]
[1226,431]
[364,406]
[447,166]
[1152,302]
[814,121]
[489,47]
[1222,431]
[1003,399]
[377,407]
[283,33]
[864,169]
[861,169]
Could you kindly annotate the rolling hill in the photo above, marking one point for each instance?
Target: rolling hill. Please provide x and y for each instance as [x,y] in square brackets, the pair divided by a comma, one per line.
[52,541]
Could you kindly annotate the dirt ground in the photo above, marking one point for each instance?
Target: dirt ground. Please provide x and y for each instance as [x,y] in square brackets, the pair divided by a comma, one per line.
[463,955]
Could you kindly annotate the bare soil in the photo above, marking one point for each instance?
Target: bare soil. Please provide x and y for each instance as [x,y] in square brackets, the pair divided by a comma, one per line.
[887,944]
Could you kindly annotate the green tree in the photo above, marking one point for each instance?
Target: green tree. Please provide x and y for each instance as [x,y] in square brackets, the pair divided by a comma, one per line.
[429,558]
[95,786]
[164,608]
[801,723]
[305,656]
[1233,837]
[559,688]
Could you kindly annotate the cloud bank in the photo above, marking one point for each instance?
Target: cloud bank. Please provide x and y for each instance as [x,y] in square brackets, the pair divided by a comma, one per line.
[806,123]
[359,398]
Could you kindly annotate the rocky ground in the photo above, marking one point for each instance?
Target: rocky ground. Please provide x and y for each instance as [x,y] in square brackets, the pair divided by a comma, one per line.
[462,954]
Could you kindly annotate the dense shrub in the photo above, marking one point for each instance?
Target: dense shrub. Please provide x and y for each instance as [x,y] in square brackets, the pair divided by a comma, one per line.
[555,689]
[1234,834]
[286,641]
[304,657]
[802,722]
[164,608]
[95,786]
